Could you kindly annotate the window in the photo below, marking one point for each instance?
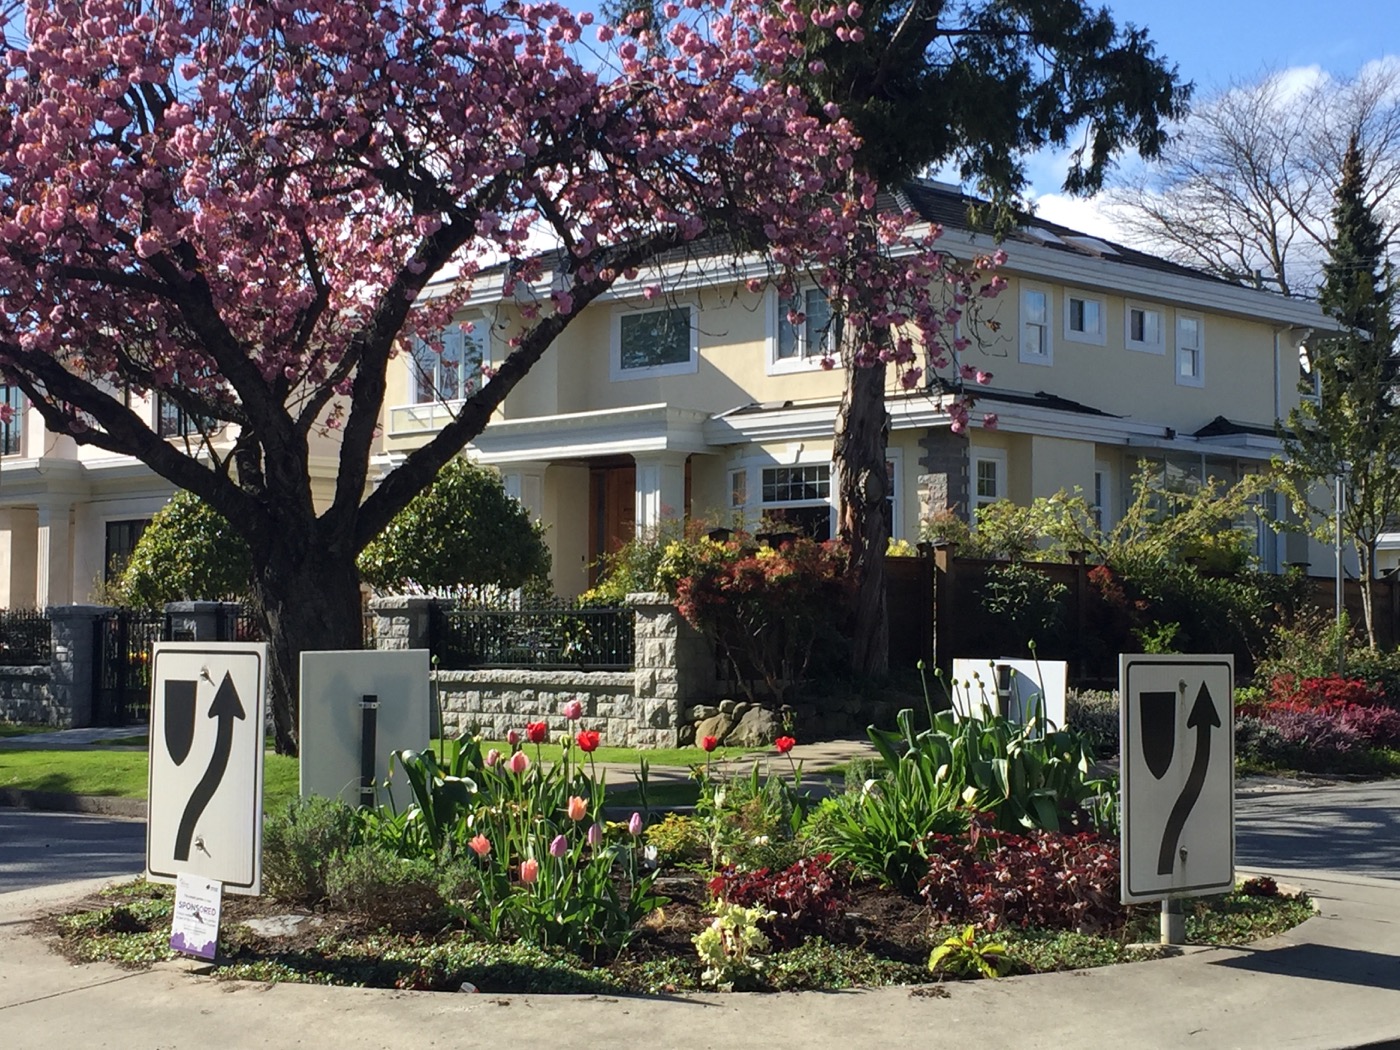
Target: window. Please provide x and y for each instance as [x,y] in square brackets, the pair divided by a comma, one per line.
[1084,319]
[1036,348]
[11,430]
[738,489]
[457,372]
[121,541]
[1142,328]
[988,479]
[1103,497]
[653,342]
[1309,374]
[799,497]
[802,345]
[172,420]
[1190,351]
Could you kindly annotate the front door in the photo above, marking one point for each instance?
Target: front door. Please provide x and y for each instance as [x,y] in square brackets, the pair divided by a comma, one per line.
[612,519]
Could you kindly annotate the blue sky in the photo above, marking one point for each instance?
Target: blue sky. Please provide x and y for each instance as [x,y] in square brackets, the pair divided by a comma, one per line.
[1217,42]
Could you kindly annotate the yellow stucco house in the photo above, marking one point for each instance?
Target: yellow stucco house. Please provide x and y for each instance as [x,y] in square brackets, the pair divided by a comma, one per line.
[706,401]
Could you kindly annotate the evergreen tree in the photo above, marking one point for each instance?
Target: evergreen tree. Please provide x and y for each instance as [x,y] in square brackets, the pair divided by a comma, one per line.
[1353,428]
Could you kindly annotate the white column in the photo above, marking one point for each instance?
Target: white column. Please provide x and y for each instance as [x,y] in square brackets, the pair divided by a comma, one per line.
[660,488]
[525,482]
[53,579]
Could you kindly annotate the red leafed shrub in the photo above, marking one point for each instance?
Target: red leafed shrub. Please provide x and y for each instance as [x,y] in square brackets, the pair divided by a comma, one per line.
[1263,886]
[1378,726]
[1044,879]
[809,897]
[1327,691]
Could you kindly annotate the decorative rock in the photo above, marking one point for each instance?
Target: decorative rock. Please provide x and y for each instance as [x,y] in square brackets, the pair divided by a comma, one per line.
[701,711]
[717,727]
[727,707]
[757,727]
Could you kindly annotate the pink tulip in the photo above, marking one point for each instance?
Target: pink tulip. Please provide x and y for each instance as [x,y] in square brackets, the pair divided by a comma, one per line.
[492,757]
[573,710]
[518,762]
[595,835]
[529,870]
[578,808]
[513,738]
[635,825]
[558,847]
[481,845]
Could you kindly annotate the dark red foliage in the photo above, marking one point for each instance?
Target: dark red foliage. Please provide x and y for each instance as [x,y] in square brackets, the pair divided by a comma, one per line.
[1263,886]
[809,897]
[1044,879]
[1327,691]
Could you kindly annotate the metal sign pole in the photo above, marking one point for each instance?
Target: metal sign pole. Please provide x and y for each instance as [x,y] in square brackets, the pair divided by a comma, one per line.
[1173,921]
[369,716]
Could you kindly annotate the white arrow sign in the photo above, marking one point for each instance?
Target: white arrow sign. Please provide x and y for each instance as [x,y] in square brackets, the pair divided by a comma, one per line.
[1178,775]
[208,711]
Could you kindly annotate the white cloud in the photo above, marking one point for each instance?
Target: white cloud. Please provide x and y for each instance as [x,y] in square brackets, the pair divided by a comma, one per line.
[1092,215]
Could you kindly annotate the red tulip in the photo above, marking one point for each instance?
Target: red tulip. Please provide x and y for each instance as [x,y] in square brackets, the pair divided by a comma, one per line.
[709,743]
[536,732]
[588,739]
[784,744]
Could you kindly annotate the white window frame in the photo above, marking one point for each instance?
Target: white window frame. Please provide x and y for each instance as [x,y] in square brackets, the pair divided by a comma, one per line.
[618,374]
[1098,336]
[757,507]
[739,480]
[807,359]
[1309,376]
[1198,377]
[894,464]
[1028,357]
[1145,346]
[975,502]
[482,331]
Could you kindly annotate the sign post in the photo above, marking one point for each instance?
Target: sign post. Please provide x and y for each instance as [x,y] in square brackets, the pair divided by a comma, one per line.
[208,713]
[1177,722]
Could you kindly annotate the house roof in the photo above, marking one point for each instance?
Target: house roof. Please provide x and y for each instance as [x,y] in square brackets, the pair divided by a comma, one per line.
[1038,399]
[1222,427]
[948,206]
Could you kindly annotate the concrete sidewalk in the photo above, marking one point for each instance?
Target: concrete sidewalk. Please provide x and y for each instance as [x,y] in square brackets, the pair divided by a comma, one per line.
[1332,982]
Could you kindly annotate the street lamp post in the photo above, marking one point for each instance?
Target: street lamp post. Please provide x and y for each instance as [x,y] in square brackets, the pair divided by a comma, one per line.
[1338,497]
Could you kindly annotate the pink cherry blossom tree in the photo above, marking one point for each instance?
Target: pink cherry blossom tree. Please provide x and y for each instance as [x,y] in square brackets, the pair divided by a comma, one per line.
[237,205]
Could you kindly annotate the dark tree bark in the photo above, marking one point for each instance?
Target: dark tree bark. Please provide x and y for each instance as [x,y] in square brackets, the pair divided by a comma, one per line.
[862,432]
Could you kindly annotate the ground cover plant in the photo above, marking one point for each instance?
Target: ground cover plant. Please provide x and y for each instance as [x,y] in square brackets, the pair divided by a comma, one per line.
[505,873]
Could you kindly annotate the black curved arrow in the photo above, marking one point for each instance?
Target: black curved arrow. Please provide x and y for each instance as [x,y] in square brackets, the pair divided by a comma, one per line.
[1203,716]
[226,707]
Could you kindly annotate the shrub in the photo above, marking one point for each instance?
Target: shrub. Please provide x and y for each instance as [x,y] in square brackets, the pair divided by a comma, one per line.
[1093,714]
[1378,726]
[1263,886]
[809,897]
[299,845]
[384,888]
[1314,741]
[1042,879]
[1322,691]
[678,840]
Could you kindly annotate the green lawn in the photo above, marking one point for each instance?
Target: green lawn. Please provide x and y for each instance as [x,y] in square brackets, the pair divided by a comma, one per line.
[23,730]
[121,774]
[631,756]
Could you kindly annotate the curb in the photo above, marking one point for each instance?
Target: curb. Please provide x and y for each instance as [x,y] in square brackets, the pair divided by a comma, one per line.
[63,802]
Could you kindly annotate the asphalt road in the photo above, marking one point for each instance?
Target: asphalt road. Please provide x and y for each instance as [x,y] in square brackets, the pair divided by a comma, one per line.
[39,849]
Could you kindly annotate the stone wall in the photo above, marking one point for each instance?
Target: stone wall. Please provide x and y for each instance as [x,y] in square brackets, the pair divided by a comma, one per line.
[24,696]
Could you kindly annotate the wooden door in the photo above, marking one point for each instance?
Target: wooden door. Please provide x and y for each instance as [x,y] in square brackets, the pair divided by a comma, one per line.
[612,519]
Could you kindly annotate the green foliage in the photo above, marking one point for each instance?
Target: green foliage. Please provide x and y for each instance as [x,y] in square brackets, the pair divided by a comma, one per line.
[678,839]
[300,846]
[188,552]
[1093,714]
[1353,427]
[1029,601]
[461,532]
[731,948]
[384,888]
[963,955]
[765,608]
[751,820]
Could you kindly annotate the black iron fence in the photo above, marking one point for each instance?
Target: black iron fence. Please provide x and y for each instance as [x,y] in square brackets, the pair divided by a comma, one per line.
[26,637]
[543,637]
[122,671]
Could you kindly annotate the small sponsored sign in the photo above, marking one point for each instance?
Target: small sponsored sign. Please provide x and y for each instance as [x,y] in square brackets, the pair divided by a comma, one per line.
[194,928]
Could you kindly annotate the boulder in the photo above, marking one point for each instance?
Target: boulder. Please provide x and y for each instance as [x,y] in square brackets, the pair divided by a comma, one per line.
[717,726]
[757,727]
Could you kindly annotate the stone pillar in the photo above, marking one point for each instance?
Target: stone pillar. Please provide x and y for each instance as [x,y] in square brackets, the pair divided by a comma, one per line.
[74,662]
[943,483]
[54,572]
[525,483]
[673,665]
[660,488]
[403,622]
[202,621]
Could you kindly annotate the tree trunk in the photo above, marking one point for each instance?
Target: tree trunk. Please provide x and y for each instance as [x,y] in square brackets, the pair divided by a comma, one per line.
[309,598]
[862,433]
[1366,555]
